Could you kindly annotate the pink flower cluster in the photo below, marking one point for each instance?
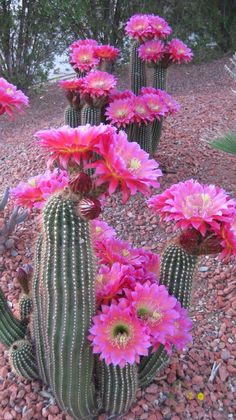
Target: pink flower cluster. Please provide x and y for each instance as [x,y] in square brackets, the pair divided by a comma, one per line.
[174,51]
[11,98]
[122,165]
[35,192]
[86,54]
[96,84]
[206,209]
[143,27]
[126,108]
[134,313]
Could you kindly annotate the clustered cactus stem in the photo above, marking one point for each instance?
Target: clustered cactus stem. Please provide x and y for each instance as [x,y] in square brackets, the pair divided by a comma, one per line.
[137,70]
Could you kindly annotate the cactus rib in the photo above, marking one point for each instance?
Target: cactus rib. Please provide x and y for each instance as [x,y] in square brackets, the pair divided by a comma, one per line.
[22,360]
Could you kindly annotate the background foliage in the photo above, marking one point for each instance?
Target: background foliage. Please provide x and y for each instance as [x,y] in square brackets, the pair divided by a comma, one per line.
[33,31]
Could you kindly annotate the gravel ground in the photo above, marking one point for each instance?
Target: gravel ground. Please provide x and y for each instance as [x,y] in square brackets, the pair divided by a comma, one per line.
[183,391]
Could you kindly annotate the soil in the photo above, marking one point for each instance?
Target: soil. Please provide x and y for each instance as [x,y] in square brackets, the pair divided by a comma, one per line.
[183,390]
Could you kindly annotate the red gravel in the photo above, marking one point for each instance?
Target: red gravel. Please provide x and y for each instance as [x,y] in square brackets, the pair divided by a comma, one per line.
[207,105]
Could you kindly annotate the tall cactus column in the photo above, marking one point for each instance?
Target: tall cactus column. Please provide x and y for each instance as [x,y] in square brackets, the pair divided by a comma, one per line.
[159,82]
[137,70]
[177,270]
[64,304]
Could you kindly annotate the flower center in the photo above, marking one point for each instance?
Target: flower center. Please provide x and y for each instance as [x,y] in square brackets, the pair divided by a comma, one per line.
[198,203]
[84,58]
[121,335]
[98,229]
[98,84]
[134,164]
[99,278]
[10,91]
[125,252]
[140,110]
[120,113]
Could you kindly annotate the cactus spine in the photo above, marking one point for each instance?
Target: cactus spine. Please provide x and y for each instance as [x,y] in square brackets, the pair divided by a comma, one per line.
[25,306]
[159,82]
[64,302]
[72,116]
[90,115]
[137,70]
[22,360]
[177,270]
[118,387]
[11,328]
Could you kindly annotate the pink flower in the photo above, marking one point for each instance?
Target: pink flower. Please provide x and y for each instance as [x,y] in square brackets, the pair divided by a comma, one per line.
[110,281]
[141,111]
[118,336]
[161,99]
[152,51]
[83,58]
[155,105]
[73,84]
[124,94]
[69,145]
[170,103]
[138,27]
[106,52]
[151,261]
[98,83]
[11,98]
[101,230]
[156,308]
[120,112]
[113,250]
[178,51]
[228,239]
[83,42]
[159,26]
[127,167]
[36,190]
[181,336]
[191,204]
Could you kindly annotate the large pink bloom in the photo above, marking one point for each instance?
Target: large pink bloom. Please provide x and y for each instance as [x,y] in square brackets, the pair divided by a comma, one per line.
[83,42]
[106,52]
[69,145]
[11,98]
[171,104]
[120,112]
[159,98]
[138,27]
[110,281]
[156,308]
[178,51]
[121,94]
[112,250]
[73,84]
[36,190]
[98,83]
[181,335]
[152,51]
[159,26]
[126,166]
[142,112]
[191,204]
[101,230]
[156,106]
[118,336]
[83,58]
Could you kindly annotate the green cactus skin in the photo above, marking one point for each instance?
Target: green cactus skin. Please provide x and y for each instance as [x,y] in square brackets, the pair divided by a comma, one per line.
[137,70]
[72,116]
[118,388]
[22,360]
[177,270]
[64,303]
[25,306]
[142,134]
[11,328]
[159,82]
[160,78]
[90,115]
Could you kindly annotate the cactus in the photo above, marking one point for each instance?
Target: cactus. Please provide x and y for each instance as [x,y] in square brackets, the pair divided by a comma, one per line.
[64,302]
[72,116]
[159,82]
[137,70]
[25,306]
[11,329]
[177,270]
[90,115]
[17,216]
[142,134]
[22,360]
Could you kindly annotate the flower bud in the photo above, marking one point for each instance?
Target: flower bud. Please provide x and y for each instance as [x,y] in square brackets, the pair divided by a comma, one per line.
[80,183]
[89,208]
